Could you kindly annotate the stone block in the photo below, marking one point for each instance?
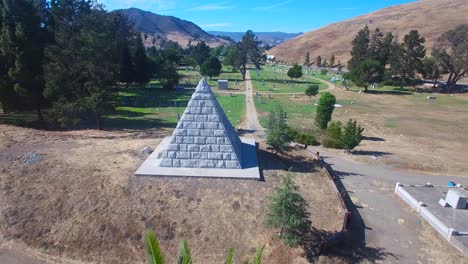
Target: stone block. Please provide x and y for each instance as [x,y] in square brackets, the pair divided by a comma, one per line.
[207,110]
[211,125]
[203,155]
[195,155]
[231,164]
[201,125]
[214,148]
[173,147]
[175,163]
[188,163]
[227,156]
[206,164]
[206,133]
[220,164]
[183,155]
[218,133]
[190,125]
[213,118]
[187,140]
[194,110]
[171,154]
[215,155]
[225,148]
[221,141]
[210,140]
[179,139]
[193,132]
[205,148]
[193,147]
[166,163]
[183,147]
[200,118]
[200,140]
[180,132]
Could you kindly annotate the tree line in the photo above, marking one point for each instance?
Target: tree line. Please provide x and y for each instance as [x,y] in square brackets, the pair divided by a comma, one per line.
[68,55]
[381,57]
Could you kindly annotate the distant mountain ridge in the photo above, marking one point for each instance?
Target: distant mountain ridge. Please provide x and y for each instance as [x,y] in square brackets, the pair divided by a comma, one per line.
[430,17]
[159,28]
[270,38]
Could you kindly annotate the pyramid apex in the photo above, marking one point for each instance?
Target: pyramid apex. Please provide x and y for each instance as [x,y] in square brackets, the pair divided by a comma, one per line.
[203,86]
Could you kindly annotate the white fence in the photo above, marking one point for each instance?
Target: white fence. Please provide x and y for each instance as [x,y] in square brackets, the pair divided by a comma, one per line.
[438,225]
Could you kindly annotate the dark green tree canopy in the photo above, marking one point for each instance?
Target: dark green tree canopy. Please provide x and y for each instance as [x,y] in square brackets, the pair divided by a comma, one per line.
[295,72]
[277,135]
[247,51]
[287,210]
[211,67]
[312,90]
[325,107]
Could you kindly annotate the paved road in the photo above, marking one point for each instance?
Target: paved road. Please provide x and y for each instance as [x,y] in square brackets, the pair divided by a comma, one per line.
[389,226]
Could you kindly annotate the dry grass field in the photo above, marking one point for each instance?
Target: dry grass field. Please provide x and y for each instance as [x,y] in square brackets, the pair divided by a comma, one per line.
[430,17]
[72,195]
[410,131]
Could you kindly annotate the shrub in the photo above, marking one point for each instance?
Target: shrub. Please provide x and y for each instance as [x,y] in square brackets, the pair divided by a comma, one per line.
[333,136]
[324,71]
[325,107]
[312,90]
[306,139]
[352,135]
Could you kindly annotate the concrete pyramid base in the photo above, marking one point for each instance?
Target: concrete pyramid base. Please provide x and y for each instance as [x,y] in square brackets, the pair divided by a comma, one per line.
[250,170]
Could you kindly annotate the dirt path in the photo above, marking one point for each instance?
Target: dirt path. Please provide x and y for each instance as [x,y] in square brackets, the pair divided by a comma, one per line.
[250,125]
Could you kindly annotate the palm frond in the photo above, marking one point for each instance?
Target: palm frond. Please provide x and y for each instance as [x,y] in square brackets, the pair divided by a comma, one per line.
[153,250]
[230,257]
[258,255]
[185,256]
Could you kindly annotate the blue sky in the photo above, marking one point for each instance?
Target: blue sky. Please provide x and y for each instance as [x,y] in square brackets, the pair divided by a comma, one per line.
[258,15]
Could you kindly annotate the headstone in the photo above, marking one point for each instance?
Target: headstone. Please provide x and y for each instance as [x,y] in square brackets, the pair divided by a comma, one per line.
[456,200]
[223,85]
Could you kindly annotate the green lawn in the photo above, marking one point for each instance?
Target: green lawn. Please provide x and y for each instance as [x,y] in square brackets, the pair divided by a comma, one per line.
[157,107]
[275,80]
[190,78]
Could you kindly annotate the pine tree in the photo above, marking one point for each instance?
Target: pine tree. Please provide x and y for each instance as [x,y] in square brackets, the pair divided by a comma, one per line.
[287,210]
[325,107]
[140,59]
[295,72]
[200,53]
[247,51]
[332,61]
[211,67]
[406,58]
[319,61]
[307,59]
[359,50]
[352,135]
[312,90]
[277,135]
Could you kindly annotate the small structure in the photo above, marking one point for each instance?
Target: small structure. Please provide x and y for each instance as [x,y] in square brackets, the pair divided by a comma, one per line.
[456,200]
[204,144]
[223,85]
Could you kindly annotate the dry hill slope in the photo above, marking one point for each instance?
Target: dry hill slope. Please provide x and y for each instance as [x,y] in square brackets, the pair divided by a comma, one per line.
[160,28]
[430,17]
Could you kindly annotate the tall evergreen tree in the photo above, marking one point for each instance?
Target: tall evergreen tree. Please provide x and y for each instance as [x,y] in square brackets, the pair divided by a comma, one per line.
[80,71]
[141,62]
[211,67]
[325,107]
[124,34]
[277,135]
[319,61]
[287,210]
[200,53]
[307,60]
[247,51]
[407,56]
[359,50]
[332,61]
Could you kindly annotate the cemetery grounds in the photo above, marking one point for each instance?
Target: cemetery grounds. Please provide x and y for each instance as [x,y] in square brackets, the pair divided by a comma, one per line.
[71,196]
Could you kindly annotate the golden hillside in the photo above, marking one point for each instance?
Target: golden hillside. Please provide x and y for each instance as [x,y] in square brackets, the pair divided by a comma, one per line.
[430,17]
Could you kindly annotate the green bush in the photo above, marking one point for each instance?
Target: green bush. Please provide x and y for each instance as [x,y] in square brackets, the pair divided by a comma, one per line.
[324,71]
[306,139]
[312,90]
[333,135]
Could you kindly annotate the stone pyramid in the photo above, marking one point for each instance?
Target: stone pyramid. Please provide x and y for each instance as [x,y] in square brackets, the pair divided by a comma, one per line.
[204,137]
